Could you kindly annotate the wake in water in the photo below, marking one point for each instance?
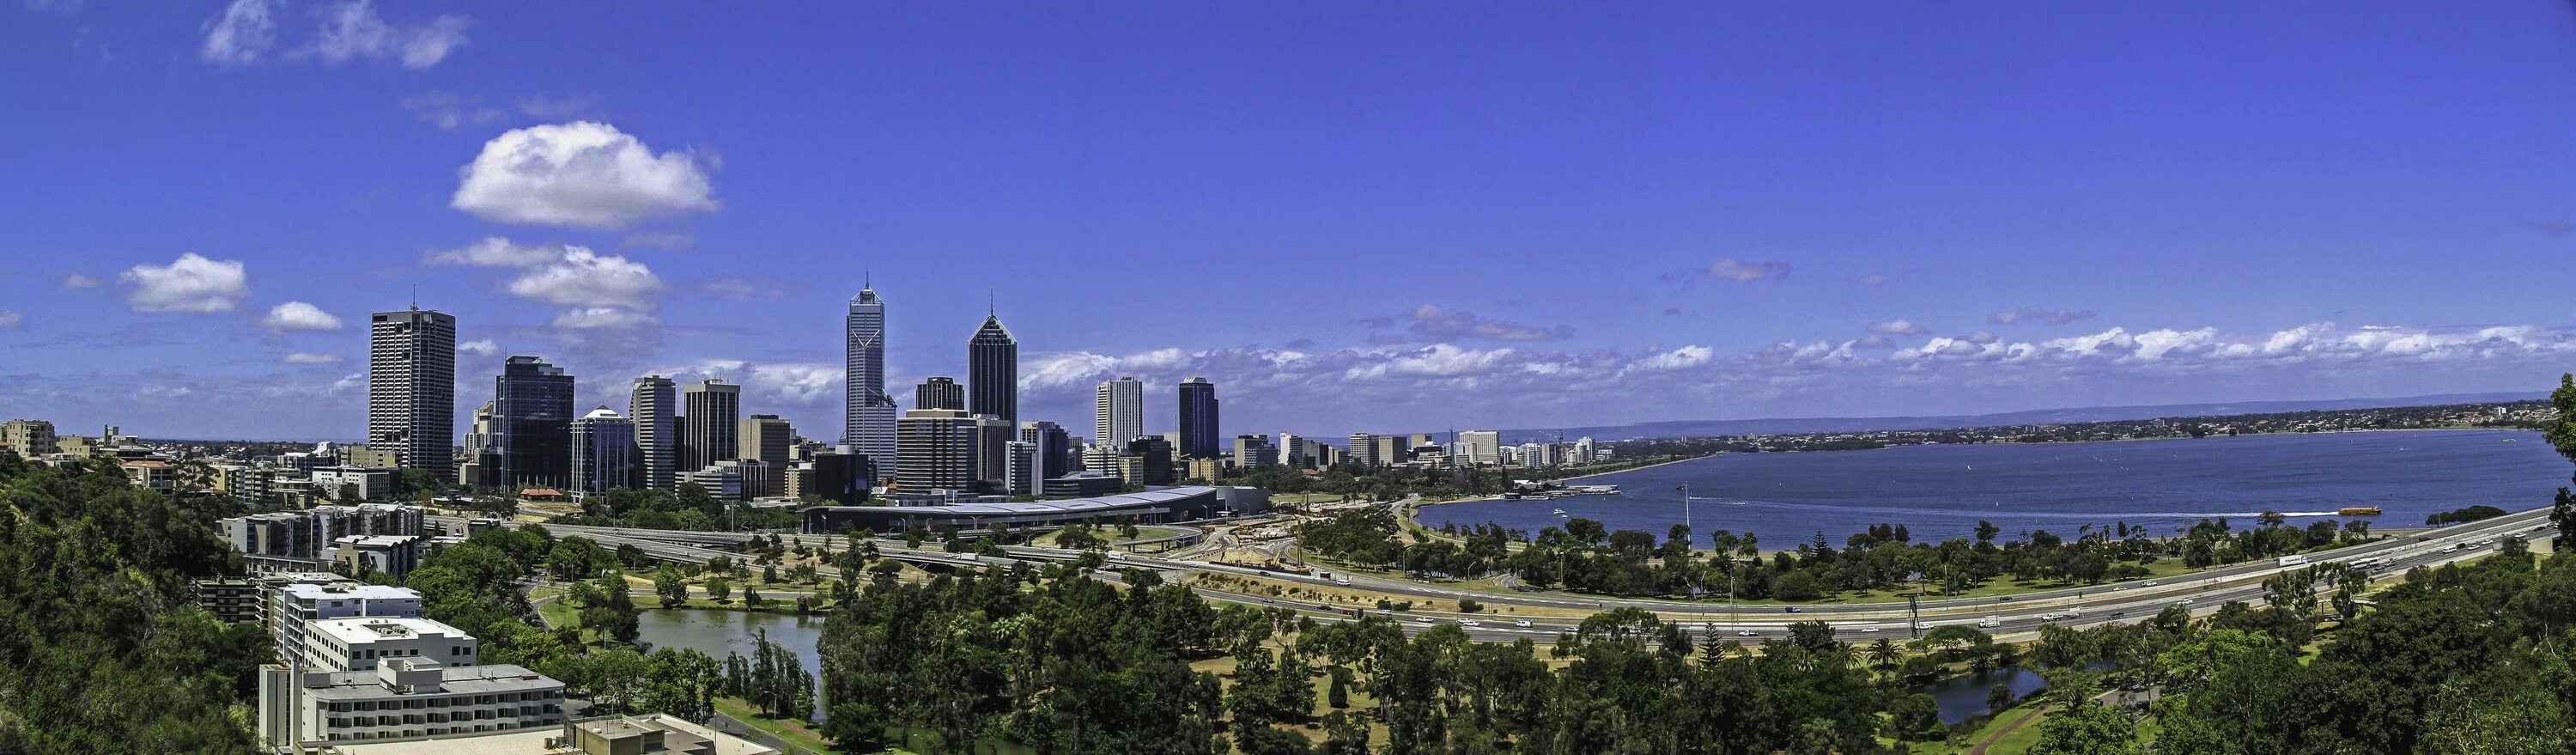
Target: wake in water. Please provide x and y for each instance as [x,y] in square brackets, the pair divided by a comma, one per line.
[2016,513]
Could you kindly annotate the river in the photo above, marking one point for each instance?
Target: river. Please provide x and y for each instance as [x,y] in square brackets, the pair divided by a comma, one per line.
[718,633]
[1942,491]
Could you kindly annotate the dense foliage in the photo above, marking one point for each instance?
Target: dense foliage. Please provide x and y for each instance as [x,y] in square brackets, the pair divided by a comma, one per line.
[688,507]
[101,648]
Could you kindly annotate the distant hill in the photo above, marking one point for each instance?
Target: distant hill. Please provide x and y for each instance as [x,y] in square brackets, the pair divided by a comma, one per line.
[1791,425]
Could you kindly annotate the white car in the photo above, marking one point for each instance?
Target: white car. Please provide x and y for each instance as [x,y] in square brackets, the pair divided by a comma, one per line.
[1470,623]
[1923,625]
[1524,623]
[1422,619]
[1869,629]
[1744,633]
[2185,602]
[2150,584]
[964,557]
[2054,617]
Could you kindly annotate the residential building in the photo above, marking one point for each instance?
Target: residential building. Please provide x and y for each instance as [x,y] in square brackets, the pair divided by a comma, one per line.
[603,452]
[29,438]
[411,388]
[368,456]
[993,371]
[356,644]
[870,414]
[402,699]
[1118,411]
[233,600]
[391,555]
[353,484]
[937,449]
[939,392]
[1582,452]
[152,474]
[302,541]
[655,734]
[532,417]
[768,438]
[314,597]
[1199,436]
[711,427]
[1482,446]
[654,407]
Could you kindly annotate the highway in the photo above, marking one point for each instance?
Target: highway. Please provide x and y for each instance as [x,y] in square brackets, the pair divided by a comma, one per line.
[2203,592]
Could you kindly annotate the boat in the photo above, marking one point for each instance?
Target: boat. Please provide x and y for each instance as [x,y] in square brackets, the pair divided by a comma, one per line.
[1558,512]
[1594,489]
[2357,511]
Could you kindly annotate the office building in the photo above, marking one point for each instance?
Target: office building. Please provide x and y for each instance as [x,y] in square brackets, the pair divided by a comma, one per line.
[722,480]
[28,438]
[531,423]
[1199,438]
[869,424]
[390,555]
[1118,412]
[839,475]
[654,407]
[711,427]
[993,371]
[353,484]
[401,699]
[769,439]
[1581,453]
[1293,452]
[937,450]
[939,393]
[1364,449]
[1254,451]
[603,452]
[1391,450]
[411,388]
[1054,447]
[1153,461]
[356,644]
[1020,474]
[1481,446]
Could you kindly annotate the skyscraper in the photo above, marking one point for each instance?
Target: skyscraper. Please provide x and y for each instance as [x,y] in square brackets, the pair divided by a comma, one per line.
[1118,412]
[1054,447]
[654,408]
[1199,439]
[870,413]
[939,393]
[603,452]
[710,430]
[939,450]
[411,388]
[993,371]
[1482,446]
[532,423]
[766,437]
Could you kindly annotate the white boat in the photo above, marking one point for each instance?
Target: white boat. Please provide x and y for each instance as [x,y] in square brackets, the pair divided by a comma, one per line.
[1594,489]
[1558,512]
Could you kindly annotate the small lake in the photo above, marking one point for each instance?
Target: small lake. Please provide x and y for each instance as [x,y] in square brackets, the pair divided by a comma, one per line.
[718,633]
[1961,697]
[1941,491]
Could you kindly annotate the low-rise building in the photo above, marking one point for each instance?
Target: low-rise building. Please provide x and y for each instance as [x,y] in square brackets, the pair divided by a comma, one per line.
[292,607]
[233,601]
[392,555]
[304,541]
[353,483]
[151,474]
[357,644]
[29,438]
[402,699]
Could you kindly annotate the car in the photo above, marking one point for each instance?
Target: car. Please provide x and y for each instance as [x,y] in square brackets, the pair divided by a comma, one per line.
[2149,584]
[1384,612]
[2184,602]
[1470,623]
[1789,609]
[2050,617]
[1923,625]
[963,556]
[1743,633]
[1869,629]
[1524,623]
[1422,619]
[2118,614]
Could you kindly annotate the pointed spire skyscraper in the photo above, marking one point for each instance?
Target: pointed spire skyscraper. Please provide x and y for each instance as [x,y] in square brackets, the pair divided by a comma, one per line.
[993,371]
[870,422]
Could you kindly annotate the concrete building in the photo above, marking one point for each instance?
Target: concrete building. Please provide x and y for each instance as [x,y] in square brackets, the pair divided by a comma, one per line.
[411,388]
[1118,411]
[1200,437]
[356,644]
[1539,455]
[654,734]
[1581,453]
[366,456]
[306,598]
[1209,470]
[938,392]
[993,371]
[1391,450]
[838,475]
[711,428]
[532,417]
[1084,485]
[654,407]
[1153,465]
[869,424]
[1254,451]
[769,439]
[1054,447]
[1020,474]
[391,555]
[302,541]
[480,465]
[1364,449]
[353,484]
[234,600]
[152,474]
[937,449]
[603,452]
[30,439]
[722,480]
[402,699]
[1292,452]
[1481,446]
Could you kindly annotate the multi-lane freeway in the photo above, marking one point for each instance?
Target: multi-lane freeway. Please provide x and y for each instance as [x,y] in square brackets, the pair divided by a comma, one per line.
[2201,592]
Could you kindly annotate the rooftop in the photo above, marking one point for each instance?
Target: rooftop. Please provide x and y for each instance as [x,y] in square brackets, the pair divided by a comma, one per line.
[453,680]
[346,591]
[1067,506]
[360,631]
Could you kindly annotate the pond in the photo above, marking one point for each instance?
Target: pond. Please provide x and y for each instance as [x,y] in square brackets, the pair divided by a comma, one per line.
[1964,696]
[718,633]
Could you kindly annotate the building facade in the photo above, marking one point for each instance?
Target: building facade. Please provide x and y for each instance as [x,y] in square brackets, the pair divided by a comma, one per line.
[869,421]
[993,371]
[711,428]
[603,452]
[402,699]
[29,438]
[1054,447]
[532,423]
[939,392]
[1200,438]
[654,407]
[1118,411]
[1482,446]
[768,438]
[411,388]
[937,450]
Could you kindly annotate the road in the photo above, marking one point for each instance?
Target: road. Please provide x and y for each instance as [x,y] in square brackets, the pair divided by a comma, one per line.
[2203,592]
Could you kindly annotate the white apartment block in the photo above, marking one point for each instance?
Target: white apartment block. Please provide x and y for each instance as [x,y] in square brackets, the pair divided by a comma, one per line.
[402,699]
[296,605]
[359,644]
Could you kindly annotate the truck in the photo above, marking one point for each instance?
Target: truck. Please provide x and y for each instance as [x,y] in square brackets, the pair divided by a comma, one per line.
[1990,622]
[2294,560]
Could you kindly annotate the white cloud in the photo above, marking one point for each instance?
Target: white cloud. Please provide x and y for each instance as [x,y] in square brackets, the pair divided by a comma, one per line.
[1898,328]
[1436,360]
[583,278]
[602,317]
[495,251]
[1679,359]
[448,111]
[2039,314]
[189,284]
[352,30]
[790,383]
[1433,324]
[296,315]
[1871,279]
[348,382]
[304,358]
[243,32]
[483,347]
[582,174]
[10,320]
[77,281]
[1733,270]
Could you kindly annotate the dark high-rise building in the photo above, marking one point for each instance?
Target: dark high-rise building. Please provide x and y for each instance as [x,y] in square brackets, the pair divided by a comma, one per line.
[710,430]
[411,389]
[939,393]
[1054,447]
[532,423]
[655,409]
[1199,438]
[767,438]
[938,450]
[993,371]
[1157,455]
[603,452]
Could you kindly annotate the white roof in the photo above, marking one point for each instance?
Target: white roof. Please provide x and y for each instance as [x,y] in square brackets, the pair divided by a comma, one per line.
[345,591]
[361,631]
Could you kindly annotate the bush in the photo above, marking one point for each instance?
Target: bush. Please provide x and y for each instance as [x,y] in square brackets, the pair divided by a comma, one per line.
[1469,605]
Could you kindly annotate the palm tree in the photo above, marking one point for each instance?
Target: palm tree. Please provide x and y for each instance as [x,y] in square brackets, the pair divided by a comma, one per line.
[1883,653]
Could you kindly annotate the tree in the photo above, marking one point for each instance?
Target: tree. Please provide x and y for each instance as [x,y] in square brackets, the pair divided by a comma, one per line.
[751,597]
[1264,740]
[2087,728]
[1999,698]
[719,589]
[669,587]
[855,728]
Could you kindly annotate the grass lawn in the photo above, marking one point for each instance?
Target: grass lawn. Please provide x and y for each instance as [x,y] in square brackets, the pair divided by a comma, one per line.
[793,732]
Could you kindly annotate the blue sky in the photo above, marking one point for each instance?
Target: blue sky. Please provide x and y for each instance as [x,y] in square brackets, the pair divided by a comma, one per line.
[1378,216]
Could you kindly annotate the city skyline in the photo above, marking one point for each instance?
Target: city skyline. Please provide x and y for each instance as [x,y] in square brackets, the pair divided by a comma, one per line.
[1800,223]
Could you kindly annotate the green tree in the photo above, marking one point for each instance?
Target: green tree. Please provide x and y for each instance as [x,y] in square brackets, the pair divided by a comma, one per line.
[719,589]
[2086,728]
[670,587]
